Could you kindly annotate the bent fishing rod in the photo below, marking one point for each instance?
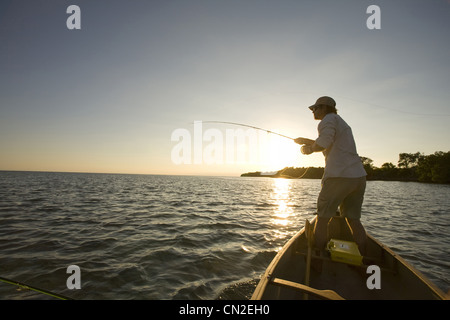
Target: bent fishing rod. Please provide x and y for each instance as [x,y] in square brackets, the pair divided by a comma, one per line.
[300,141]
[297,140]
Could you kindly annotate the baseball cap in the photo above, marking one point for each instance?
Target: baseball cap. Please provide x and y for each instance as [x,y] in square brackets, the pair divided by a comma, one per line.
[328,101]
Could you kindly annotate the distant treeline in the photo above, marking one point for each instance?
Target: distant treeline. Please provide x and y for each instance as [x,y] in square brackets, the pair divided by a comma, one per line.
[410,167]
[290,173]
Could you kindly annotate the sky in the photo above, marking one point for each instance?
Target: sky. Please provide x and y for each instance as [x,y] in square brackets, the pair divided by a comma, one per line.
[130,91]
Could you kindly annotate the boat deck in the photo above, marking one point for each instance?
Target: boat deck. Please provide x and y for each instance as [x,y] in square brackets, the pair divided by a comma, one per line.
[285,277]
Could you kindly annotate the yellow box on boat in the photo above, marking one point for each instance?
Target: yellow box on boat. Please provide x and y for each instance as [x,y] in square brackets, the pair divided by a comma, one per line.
[344,251]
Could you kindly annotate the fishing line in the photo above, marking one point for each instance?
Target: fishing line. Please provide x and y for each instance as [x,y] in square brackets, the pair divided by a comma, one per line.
[28,287]
[248,126]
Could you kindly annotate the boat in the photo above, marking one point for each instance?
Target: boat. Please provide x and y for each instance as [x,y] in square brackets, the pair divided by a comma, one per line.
[297,272]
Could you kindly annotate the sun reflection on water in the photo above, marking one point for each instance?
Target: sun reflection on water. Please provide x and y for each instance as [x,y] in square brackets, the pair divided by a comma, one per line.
[282,203]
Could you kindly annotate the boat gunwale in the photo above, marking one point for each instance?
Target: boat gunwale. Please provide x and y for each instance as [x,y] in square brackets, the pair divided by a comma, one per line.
[432,286]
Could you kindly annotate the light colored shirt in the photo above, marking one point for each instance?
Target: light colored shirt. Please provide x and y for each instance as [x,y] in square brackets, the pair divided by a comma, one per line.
[341,158]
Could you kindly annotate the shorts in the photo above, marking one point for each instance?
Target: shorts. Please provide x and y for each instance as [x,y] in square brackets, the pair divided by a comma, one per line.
[347,194]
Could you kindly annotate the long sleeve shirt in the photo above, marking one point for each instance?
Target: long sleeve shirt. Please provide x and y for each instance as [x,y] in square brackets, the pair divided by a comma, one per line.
[341,157]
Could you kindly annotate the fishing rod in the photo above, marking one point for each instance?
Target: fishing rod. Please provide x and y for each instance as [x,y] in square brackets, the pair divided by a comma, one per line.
[248,126]
[297,140]
[300,141]
[28,287]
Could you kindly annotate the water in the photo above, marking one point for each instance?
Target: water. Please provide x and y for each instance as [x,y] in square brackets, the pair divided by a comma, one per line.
[178,237]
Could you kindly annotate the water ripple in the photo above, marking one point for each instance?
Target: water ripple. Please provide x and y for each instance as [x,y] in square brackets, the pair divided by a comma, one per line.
[168,237]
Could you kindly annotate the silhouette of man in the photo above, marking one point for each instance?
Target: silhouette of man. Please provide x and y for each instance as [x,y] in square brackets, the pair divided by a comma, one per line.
[344,178]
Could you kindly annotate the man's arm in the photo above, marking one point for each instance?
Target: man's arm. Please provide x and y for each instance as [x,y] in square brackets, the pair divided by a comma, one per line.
[327,131]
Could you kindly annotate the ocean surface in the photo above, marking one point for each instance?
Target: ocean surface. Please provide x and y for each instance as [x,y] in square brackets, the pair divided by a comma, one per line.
[187,237]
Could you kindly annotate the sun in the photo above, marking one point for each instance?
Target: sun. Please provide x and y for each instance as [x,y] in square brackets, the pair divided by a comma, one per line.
[280,153]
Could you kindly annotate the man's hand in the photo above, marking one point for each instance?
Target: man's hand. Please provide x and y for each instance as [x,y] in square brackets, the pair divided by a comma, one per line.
[307,149]
[304,141]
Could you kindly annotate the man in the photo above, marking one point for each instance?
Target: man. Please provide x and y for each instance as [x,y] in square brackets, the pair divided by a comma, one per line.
[344,178]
